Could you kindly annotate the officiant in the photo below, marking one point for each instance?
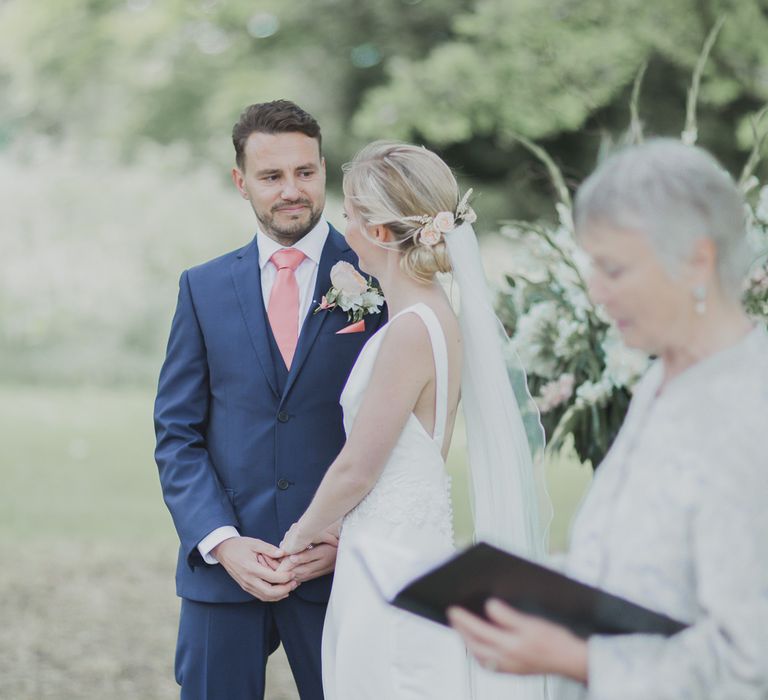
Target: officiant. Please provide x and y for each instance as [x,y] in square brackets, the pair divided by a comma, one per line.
[676,518]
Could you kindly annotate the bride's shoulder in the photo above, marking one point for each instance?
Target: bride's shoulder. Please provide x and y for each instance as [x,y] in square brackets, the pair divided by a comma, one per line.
[405,351]
[407,331]
[446,317]
[425,314]
[411,331]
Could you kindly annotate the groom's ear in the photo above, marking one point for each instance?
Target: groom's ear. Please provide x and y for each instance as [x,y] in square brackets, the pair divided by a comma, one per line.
[239,179]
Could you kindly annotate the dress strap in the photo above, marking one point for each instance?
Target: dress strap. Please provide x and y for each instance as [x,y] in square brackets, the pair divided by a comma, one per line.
[440,356]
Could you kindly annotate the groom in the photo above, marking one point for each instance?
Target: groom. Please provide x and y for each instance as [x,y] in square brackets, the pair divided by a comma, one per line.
[247,419]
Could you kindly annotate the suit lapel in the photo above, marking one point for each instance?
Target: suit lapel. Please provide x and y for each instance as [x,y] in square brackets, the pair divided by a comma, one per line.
[246,276]
[335,249]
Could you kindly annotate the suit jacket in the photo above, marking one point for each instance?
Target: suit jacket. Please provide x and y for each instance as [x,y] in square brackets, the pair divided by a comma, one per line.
[241,441]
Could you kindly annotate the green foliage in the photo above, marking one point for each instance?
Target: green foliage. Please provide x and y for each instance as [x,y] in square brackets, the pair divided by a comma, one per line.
[136,70]
[537,68]
[543,68]
[461,75]
[560,72]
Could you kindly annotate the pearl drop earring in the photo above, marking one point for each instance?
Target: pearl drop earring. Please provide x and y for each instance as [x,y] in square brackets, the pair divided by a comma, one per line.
[700,295]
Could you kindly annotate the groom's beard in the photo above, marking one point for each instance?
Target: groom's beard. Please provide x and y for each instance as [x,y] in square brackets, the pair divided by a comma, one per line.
[288,228]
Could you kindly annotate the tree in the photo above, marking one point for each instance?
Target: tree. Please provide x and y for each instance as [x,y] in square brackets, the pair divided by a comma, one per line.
[560,72]
[174,71]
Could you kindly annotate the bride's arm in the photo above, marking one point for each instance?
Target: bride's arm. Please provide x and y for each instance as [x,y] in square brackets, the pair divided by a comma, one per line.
[402,369]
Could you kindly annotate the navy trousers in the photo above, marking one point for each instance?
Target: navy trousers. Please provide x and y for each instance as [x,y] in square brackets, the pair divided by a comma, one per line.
[222,648]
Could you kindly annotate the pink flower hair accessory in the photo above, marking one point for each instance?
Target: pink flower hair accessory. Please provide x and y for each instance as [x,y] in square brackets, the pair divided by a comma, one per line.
[431,229]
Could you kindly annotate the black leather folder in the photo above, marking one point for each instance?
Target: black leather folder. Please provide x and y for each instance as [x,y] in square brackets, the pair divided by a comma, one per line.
[482,572]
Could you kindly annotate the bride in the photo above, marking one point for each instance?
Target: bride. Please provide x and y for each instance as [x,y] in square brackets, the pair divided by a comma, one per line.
[406,223]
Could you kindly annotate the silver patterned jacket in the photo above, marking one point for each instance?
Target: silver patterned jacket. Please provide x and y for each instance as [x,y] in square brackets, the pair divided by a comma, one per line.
[677,520]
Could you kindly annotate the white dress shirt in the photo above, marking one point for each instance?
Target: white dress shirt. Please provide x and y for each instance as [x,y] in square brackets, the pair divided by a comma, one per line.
[306,273]
[306,276]
[676,520]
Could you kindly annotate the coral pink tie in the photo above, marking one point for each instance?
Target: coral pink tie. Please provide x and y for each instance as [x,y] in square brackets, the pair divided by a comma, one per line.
[283,308]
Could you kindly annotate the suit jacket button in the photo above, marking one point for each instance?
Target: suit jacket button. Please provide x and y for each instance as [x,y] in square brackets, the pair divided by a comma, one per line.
[283,416]
[283,484]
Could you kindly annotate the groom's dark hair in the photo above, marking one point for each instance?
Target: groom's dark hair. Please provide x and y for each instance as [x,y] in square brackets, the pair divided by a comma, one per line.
[278,117]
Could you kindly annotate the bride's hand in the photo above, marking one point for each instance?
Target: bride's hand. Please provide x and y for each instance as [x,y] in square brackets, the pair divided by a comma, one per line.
[295,541]
[331,535]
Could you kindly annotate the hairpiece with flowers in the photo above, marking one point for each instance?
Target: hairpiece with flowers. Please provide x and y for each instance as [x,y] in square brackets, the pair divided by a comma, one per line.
[431,229]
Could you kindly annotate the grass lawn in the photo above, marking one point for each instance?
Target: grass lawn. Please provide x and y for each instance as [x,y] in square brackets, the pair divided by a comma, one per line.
[86,590]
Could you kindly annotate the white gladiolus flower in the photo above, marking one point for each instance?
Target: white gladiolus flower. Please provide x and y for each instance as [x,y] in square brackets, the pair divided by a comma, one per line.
[623,366]
[565,216]
[689,137]
[531,338]
[594,393]
[761,211]
[750,184]
[570,334]
[582,262]
[562,236]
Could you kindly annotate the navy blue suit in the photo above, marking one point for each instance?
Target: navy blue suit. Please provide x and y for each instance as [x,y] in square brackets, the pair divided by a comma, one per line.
[242,441]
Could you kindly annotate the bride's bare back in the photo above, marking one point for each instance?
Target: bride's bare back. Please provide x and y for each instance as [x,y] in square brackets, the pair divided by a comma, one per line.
[424,409]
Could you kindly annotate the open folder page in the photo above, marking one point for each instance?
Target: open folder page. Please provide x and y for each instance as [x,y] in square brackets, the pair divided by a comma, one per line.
[481,572]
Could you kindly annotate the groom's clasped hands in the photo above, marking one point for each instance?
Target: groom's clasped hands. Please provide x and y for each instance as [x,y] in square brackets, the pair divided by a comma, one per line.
[268,572]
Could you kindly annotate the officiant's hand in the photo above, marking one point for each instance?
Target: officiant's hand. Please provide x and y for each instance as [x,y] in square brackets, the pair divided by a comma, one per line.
[513,642]
[240,556]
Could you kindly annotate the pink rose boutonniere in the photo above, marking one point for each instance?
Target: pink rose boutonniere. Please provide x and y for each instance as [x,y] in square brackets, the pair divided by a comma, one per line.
[352,293]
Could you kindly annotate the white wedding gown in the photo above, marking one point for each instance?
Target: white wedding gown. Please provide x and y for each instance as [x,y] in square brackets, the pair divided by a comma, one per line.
[371,650]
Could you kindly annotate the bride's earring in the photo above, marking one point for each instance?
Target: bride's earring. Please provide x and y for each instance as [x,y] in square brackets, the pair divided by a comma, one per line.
[700,295]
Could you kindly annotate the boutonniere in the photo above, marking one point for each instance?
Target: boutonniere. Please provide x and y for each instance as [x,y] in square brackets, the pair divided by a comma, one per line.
[351,292]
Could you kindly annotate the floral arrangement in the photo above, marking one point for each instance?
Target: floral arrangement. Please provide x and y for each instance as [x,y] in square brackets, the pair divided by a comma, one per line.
[756,291]
[351,292]
[579,372]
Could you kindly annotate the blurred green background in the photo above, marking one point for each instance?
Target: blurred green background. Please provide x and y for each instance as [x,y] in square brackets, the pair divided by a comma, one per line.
[115,121]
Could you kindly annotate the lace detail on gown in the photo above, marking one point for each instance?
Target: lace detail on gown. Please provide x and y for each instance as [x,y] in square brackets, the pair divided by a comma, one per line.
[408,500]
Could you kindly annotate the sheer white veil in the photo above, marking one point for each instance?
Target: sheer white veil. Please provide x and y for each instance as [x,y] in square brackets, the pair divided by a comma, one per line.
[508,499]
[510,504]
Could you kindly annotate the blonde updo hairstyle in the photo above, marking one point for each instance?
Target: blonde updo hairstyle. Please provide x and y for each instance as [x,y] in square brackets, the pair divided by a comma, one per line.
[388,182]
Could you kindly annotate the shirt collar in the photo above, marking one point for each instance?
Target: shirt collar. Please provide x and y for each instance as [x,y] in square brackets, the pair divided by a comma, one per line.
[311,245]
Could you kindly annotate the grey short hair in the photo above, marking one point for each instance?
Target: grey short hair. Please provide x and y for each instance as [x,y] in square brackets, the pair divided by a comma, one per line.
[674,194]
